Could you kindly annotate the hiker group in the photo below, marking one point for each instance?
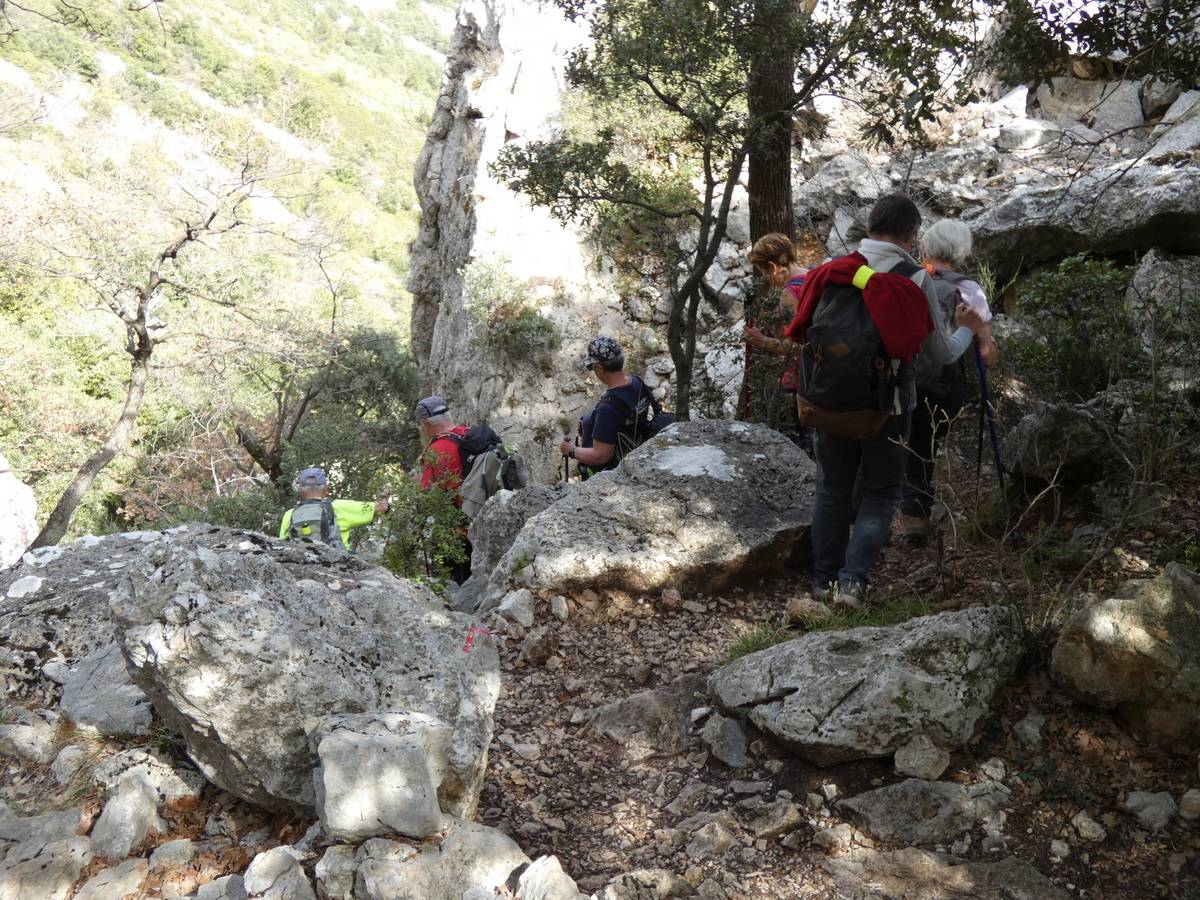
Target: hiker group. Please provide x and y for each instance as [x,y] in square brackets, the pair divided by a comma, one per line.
[873,348]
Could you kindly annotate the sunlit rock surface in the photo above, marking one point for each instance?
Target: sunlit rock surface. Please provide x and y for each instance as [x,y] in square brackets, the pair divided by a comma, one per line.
[693,508]
[242,641]
[1138,652]
[836,696]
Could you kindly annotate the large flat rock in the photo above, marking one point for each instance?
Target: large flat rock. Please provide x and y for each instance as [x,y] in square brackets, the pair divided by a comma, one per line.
[912,874]
[836,696]
[1117,208]
[695,507]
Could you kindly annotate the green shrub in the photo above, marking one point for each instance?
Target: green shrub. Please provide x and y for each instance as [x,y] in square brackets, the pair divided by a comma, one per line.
[1084,334]
[499,302]
[423,533]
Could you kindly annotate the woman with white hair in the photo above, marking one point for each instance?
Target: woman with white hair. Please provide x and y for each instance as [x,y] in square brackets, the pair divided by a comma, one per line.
[941,390]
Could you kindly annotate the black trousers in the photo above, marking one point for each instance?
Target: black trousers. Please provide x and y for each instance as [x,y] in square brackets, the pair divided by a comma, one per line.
[930,425]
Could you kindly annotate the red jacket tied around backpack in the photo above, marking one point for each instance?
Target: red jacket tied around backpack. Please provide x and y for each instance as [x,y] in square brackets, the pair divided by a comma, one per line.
[897,306]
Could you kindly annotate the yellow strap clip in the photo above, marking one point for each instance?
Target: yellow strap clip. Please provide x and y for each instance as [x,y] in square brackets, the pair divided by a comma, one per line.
[862,276]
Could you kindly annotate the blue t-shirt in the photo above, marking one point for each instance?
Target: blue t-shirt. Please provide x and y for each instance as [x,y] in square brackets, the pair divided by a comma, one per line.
[607,420]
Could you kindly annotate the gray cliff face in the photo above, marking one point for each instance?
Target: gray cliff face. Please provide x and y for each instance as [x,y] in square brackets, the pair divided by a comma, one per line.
[503,82]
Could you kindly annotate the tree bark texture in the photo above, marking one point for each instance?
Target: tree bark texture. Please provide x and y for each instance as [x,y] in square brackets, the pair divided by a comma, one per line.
[770,97]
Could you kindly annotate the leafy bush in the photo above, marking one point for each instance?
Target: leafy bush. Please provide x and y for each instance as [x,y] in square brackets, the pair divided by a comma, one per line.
[424,532]
[1084,334]
[500,303]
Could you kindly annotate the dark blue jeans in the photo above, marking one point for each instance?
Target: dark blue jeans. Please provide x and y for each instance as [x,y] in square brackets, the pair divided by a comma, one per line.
[878,464]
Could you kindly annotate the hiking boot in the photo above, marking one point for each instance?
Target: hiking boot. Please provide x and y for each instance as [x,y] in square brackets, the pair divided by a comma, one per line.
[850,595]
[914,529]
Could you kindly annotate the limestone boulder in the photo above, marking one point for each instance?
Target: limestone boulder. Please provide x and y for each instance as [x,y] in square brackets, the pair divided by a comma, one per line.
[1138,652]
[837,696]
[912,874]
[1058,441]
[1107,209]
[48,871]
[29,735]
[650,722]
[495,528]
[18,515]
[1180,129]
[242,641]
[916,811]
[1159,295]
[1105,106]
[695,507]
[379,773]
[468,857]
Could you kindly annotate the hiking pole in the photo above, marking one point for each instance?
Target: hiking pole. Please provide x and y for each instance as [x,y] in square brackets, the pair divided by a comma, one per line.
[986,413]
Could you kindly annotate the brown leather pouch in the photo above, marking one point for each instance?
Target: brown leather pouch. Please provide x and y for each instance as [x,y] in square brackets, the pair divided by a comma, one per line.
[857,425]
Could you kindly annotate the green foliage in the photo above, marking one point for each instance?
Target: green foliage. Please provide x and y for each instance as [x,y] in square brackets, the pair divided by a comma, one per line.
[1038,38]
[1084,337]
[259,509]
[760,637]
[879,611]
[501,304]
[423,533]
[1190,555]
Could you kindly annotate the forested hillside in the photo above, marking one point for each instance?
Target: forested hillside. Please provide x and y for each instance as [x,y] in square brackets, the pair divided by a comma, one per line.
[282,319]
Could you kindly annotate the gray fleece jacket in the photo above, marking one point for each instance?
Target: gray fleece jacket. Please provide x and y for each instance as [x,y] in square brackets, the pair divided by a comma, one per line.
[942,346]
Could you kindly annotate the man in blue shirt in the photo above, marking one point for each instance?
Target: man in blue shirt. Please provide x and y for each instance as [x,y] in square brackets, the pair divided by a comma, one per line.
[613,416]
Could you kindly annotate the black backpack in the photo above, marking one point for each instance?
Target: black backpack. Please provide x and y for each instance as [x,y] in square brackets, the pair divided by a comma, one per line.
[933,379]
[848,384]
[317,515]
[638,424]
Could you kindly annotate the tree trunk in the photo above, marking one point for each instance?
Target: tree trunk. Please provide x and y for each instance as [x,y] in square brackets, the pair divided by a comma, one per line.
[770,98]
[271,460]
[118,440]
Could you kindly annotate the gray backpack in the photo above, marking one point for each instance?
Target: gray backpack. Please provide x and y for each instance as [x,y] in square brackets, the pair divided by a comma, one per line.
[933,379]
[489,468]
[318,517]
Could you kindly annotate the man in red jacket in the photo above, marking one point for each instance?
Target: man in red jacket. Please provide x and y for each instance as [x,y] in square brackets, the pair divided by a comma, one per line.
[443,466]
[443,469]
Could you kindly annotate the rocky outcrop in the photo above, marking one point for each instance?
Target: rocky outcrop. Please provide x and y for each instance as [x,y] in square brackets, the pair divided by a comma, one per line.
[503,82]
[836,696]
[493,531]
[1138,652]
[693,508]
[242,641]
[18,515]
[1120,207]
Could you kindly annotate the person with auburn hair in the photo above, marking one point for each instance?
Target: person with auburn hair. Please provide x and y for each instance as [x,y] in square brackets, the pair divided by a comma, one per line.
[773,257]
[941,389]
